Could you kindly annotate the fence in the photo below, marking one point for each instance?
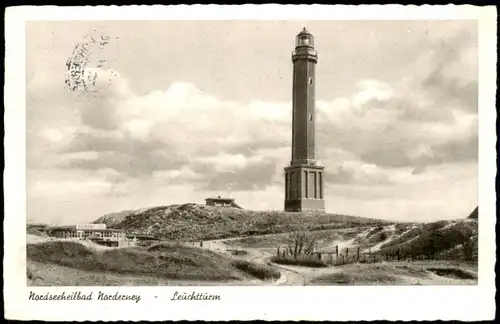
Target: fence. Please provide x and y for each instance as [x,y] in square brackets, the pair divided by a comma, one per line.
[334,257]
[199,244]
[355,255]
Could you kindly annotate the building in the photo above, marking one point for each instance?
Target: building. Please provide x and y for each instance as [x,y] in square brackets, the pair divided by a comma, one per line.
[304,188]
[97,233]
[221,202]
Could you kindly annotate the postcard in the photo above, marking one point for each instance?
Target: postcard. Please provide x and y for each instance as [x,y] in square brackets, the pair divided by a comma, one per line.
[250,162]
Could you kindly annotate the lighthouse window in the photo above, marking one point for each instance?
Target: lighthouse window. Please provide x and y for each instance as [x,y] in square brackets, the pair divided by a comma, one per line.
[310,80]
[310,117]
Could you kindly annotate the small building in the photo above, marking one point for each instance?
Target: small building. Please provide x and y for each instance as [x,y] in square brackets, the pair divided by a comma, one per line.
[97,233]
[221,202]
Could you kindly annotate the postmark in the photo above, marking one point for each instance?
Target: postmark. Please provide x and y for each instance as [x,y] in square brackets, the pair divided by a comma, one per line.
[80,74]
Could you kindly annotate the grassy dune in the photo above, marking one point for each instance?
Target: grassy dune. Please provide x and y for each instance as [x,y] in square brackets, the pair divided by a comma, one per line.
[449,239]
[164,261]
[197,222]
[431,272]
[454,240]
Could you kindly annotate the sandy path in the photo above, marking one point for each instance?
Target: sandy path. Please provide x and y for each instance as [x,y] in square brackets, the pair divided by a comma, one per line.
[289,277]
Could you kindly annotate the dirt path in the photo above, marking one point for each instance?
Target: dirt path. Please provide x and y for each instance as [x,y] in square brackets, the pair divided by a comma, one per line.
[289,277]
[302,276]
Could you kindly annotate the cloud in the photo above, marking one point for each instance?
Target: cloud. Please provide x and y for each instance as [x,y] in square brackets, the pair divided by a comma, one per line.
[429,118]
[377,136]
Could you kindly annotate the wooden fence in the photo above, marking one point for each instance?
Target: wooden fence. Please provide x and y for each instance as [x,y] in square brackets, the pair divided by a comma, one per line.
[355,255]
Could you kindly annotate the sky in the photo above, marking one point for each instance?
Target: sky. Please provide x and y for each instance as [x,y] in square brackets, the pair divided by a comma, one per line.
[184,110]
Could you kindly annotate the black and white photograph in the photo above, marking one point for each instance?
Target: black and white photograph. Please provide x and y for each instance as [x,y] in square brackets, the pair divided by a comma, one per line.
[240,152]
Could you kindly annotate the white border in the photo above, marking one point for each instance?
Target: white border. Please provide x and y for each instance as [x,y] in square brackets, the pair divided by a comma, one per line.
[467,303]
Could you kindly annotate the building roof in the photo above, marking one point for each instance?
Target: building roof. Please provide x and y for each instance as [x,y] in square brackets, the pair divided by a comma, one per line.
[220,199]
[73,227]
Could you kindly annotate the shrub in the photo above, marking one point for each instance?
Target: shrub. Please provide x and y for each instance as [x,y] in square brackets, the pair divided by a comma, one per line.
[303,244]
[469,248]
[303,260]
[259,271]
[238,252]
[378,237]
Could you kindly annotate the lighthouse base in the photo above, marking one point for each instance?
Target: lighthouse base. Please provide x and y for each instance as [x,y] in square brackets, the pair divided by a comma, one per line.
[300,205]
[304,188]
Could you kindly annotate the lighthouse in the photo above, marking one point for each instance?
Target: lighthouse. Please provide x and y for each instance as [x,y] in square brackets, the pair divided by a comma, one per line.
[304,187]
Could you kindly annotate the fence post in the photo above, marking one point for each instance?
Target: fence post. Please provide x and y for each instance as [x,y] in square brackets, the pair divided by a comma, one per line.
[319,256]
[337,252]
[398,254]
[347,254]
[358,254]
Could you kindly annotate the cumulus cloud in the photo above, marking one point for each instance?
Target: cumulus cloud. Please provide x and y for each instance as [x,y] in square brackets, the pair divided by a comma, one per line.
[428,119]
[381,134]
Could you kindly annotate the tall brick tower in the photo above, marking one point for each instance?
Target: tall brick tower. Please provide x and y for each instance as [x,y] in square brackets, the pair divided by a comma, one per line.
[303,178]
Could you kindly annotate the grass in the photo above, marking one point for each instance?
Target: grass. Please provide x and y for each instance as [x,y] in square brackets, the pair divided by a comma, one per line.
[343,278]
[378,237]
[272,241]
[259,271]
[46,274]
[455,273]
[33,231]
[394,273]
[435,239]
[172,261]
[199,222]
[301,260]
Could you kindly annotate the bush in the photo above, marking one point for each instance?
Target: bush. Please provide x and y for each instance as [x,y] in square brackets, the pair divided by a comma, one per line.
[375,230]
[378,237]
[303,260]
[470,247]
[238,252]
[259,271]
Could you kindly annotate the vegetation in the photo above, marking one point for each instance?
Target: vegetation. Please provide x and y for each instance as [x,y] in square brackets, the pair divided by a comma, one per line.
[395,273]
[238,252]
[300,252]
[259,271]
[166,260]
[311,261]
[378,237]
[199,222]
[322,238]
[435,241]
[455,273]
[46,274]
[33,231]
[370,274]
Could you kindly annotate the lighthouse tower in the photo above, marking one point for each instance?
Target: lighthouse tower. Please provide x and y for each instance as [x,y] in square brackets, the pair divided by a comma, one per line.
[303,177]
